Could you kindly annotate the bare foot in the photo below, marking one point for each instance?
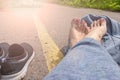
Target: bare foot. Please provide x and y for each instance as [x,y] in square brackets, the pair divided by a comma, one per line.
[98,29]
[78,31]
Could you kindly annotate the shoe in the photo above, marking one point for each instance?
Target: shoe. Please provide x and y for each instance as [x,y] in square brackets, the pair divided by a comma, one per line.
[3,53]
[15,65]
[3,50]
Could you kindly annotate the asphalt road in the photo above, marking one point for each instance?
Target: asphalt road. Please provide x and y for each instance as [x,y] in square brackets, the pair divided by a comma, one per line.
[17,26]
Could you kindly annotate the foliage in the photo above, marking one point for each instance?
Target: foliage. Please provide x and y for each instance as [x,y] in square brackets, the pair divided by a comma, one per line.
[99,4]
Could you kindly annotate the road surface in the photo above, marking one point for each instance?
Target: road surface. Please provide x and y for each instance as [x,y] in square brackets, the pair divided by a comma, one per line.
[19,25]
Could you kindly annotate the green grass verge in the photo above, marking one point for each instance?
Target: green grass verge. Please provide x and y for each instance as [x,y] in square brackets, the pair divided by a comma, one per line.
[113,5]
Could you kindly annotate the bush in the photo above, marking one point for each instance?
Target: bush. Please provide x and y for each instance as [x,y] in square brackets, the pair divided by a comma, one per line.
[99,4]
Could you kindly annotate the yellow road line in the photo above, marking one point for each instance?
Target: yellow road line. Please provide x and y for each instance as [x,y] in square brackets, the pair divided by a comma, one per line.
[51,51]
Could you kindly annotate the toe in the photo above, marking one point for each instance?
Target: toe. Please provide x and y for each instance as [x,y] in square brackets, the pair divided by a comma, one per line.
[83,23]
[94,23]
[98,23]
[75,22]
[86,28]
[103,22]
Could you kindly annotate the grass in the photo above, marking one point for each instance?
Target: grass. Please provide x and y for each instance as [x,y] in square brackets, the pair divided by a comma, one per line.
[113,5]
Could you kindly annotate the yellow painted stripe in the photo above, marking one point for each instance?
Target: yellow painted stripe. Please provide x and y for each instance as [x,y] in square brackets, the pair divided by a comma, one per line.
[51,51]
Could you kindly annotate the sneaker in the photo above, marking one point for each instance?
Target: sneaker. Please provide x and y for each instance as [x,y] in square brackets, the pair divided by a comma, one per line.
[15,65]
[3,52]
